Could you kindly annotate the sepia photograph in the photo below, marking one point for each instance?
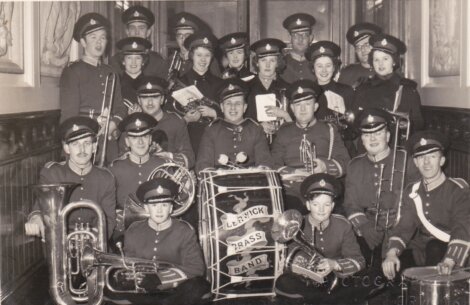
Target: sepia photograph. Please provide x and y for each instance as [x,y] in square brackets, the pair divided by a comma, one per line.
[235,152]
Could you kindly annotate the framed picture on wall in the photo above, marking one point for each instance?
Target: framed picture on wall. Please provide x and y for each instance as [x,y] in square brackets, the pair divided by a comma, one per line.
[11,37]
[441,41]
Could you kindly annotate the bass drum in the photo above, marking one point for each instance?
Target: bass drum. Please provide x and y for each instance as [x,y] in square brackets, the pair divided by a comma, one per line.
[424,286]
[237,209]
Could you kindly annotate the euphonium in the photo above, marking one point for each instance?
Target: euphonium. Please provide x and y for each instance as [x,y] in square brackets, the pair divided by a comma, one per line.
[55,209]
[126,274]
[287,227]
[401,132]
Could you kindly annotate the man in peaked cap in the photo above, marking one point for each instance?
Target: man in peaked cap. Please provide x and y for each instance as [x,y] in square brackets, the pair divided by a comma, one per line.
[133,56]
[134,167]
[306,136]
[139,21]
[301,36]
[235,49]
[233,134]
[163,238]
[333,236]
[82,83]
[359,35]
[96,184]
[370,215]
[184,25]
[435,212]
[151,93]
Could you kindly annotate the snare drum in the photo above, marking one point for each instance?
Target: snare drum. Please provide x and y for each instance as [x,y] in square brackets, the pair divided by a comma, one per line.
[236,209]
[424,286]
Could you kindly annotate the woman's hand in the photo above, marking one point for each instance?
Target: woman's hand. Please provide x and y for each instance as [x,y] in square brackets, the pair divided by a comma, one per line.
[207,111]
[192,116]
[278,113]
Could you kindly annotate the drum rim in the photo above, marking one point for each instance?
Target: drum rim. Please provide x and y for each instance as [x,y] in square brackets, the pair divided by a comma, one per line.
[442,281]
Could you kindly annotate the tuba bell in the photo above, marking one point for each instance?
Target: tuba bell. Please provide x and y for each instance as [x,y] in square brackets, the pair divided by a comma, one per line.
[64,249]
[286,228]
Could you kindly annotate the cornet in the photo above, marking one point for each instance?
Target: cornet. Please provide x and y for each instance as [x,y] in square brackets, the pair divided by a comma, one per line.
[307,154]
[287,227]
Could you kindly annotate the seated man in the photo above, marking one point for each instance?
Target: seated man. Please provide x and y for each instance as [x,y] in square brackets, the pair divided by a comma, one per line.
[369,180]
[307,145]
[163,238]
[434,218]
[151,96]
[333,238]
[134,167]
[233,134]
[97,184]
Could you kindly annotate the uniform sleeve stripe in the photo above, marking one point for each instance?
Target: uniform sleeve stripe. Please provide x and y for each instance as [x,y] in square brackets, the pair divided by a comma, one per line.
[340,169]
[356,215]
[398,239]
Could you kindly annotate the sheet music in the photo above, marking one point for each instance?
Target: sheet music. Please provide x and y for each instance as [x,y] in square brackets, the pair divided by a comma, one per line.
[187,94]
[262,101]
[335,101]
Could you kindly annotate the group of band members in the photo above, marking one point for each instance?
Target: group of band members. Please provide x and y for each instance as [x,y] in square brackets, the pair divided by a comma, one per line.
[307,140]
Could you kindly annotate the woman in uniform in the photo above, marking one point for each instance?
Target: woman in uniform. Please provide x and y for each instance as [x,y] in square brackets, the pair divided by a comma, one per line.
[268,63]
[235,55]
[388,89]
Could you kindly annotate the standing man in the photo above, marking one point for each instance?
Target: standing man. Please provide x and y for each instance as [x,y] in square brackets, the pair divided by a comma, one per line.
[233,134]
[186,24]
[151,95]
[139,21]
[358,35]
[97,184]
[435,213]
[370,204]
[82,83]
[301,36]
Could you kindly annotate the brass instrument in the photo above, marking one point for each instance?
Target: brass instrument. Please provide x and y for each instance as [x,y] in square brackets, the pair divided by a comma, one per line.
[105,115]
[174,69]
[286,228]
[282,103]
[134,210]
[345,124]
[64,249]
[401,133]
[307,154]
[126,274]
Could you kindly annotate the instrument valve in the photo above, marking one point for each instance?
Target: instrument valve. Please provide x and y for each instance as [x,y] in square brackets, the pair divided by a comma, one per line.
[87,227]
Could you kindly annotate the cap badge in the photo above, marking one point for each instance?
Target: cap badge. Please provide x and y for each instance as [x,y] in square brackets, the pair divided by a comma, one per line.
[370,119]
[230,87]
[356,33]
[322,50]
[322,183]
[160,189]
[136,14]
[268,47]
[138,123]
[423,142]
[233,41]
[134,45]
[384,42]
[92,21]
[148,86]
[205,40]
[300,90]
[183,20]
[298,22]
[74,127]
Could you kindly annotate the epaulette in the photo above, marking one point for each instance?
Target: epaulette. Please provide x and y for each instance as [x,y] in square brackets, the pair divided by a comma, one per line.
[174,113]
[358,157]
[408,83]
[50,163]
[187,223]
[107,170]
[253,121]
[214,121]
[460,182]
[341,217]
[124,156]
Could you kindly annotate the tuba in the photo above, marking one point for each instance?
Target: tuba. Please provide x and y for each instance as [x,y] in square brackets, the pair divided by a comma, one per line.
[64,249]
[286,228]
[134,211]
[390,216]
[127,274]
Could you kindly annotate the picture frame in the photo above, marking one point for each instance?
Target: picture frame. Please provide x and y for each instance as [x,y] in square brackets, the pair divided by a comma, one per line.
[11,37]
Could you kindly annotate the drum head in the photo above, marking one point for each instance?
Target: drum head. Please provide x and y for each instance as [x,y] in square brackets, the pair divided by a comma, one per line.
[430,275]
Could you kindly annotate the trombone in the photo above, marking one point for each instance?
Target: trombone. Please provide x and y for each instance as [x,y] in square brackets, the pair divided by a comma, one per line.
[105,115]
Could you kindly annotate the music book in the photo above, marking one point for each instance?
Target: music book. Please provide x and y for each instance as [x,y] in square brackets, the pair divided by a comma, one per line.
[335,101]
[262,101]
[187,94]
